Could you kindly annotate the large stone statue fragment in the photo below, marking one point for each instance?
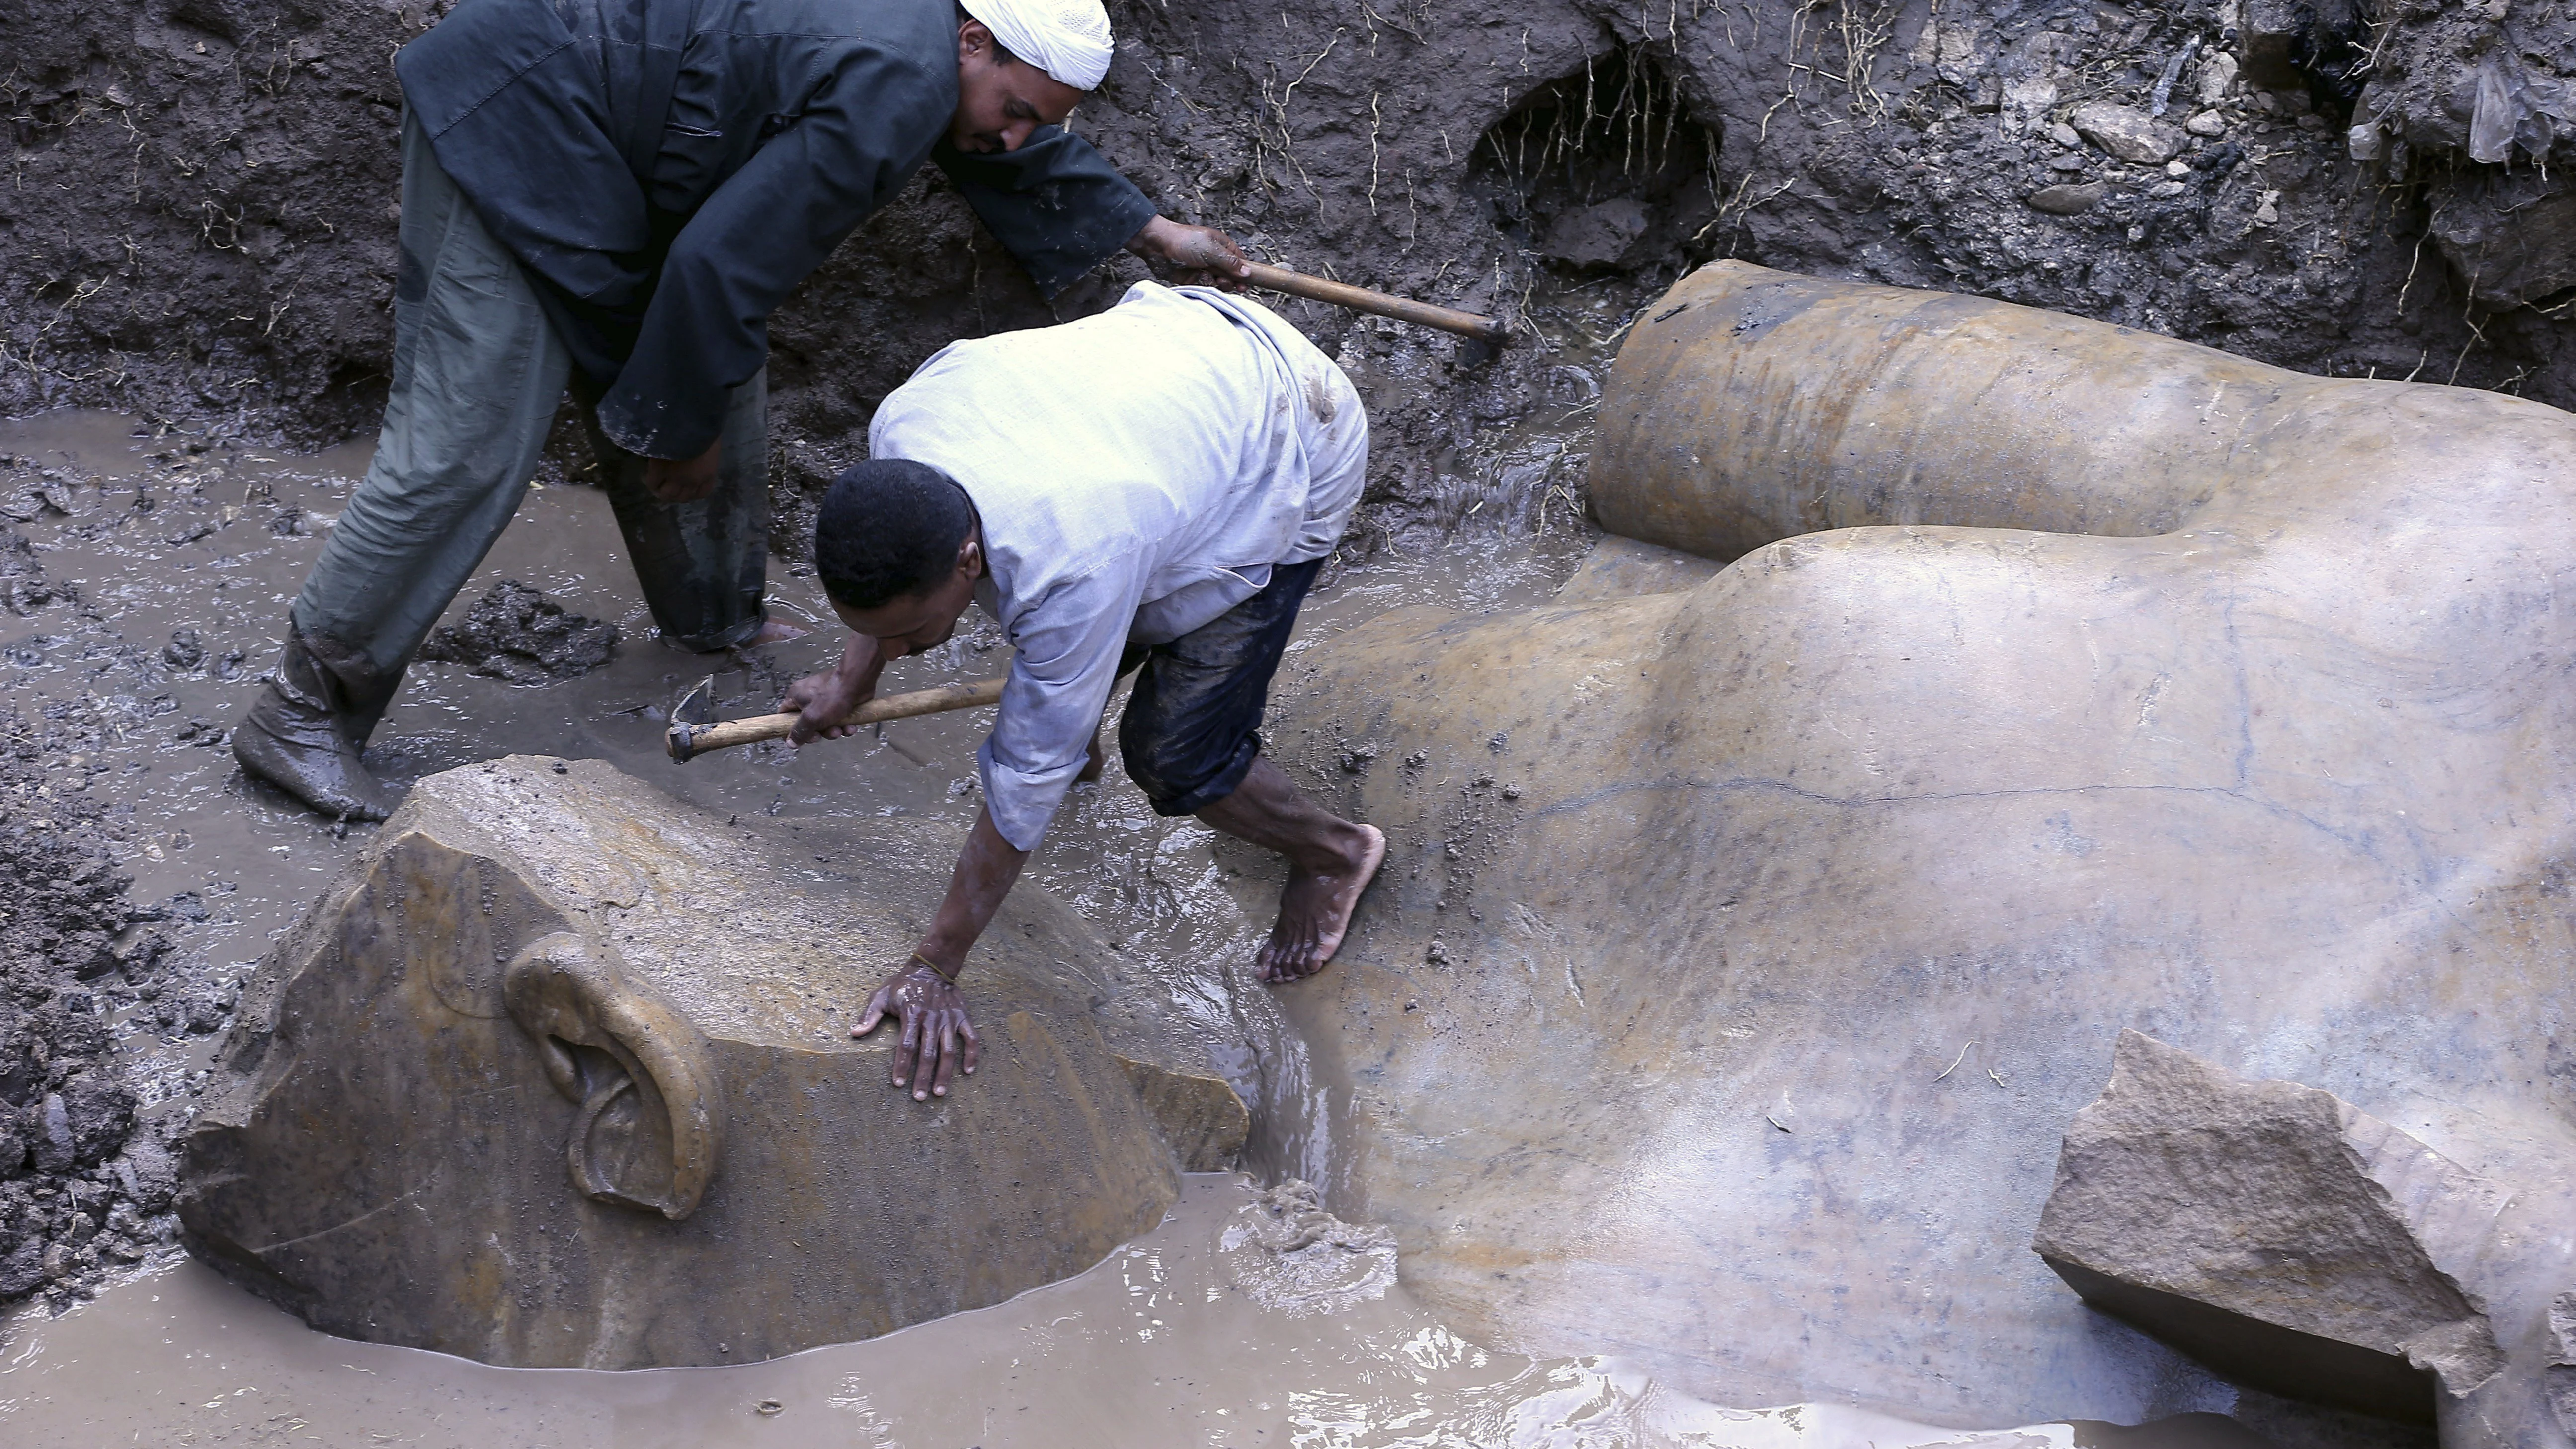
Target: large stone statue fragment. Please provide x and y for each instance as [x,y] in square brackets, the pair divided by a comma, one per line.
[558,1073]
[1743,950]
[2297,1243]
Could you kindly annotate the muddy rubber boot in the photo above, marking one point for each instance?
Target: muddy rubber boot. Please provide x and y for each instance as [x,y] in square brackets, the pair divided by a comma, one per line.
[304,732]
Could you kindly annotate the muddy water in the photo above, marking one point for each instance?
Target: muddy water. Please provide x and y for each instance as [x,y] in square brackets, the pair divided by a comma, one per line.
[1178,1339]
[1183,1338]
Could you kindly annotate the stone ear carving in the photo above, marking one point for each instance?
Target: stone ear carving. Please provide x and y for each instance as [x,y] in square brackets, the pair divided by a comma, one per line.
[651,1119]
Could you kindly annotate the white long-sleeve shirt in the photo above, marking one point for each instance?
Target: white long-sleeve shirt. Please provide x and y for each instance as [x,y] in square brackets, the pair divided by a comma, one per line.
[1137,473]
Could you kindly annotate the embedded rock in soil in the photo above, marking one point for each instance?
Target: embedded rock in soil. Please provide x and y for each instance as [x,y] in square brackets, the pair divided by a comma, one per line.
[2068,200]
[2125,133]
[1785,922]
[2296,1243]
[515,633]
[559,1073]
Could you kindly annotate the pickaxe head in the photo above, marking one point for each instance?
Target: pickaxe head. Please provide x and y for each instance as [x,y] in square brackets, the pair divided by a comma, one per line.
[696,710]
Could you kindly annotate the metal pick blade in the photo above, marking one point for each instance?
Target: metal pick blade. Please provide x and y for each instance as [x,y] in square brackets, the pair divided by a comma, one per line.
[698,706]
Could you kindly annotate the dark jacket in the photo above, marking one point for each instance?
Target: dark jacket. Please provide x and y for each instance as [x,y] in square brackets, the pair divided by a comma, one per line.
[662,232]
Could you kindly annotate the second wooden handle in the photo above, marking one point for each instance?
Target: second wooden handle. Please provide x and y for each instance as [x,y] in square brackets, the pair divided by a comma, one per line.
[702,738]
[1361,299]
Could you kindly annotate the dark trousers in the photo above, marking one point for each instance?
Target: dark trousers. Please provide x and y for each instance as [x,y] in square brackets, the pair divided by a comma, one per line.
[478,371]
[1192,726]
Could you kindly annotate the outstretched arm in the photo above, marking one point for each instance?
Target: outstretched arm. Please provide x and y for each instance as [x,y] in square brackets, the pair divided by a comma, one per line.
[1192,255]
[1060,207]
[923,993]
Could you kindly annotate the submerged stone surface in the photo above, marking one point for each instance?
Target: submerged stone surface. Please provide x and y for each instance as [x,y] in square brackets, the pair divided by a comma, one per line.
[1743,953]
[558,1074]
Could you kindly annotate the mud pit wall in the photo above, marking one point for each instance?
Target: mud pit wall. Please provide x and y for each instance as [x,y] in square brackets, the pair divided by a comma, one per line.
[199,215]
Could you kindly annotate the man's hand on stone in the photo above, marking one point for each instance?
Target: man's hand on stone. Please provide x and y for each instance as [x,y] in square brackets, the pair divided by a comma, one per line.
[936,1030]
[1192,256]
[684,480]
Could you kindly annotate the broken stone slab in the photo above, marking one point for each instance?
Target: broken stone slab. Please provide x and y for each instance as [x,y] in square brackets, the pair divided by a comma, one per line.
[558,1073]
[2300,1245]
[2125,132]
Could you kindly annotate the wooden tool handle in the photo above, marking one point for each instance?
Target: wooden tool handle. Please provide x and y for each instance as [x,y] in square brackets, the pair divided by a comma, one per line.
[1361,299]
[686,741]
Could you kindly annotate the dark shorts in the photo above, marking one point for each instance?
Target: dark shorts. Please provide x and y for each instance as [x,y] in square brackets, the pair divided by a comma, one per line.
[1191,729]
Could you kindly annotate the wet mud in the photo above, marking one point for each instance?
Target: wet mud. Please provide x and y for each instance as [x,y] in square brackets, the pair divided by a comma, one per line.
[1217,1328]
[519,636]
[1278,1323]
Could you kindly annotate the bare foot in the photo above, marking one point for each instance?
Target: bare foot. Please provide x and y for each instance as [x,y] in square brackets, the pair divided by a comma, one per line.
[1315,912]
[774,631]
[1092,767]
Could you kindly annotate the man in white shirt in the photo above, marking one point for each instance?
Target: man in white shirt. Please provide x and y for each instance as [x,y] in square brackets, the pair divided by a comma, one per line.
[1152,489]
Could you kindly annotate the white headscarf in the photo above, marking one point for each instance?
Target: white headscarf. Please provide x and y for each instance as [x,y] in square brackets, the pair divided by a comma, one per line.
[1068,39]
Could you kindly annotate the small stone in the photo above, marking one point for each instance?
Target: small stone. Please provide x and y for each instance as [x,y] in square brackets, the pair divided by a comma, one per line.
[2164,189]
[2217,77]
[2063,134]
[149,1173]
[2311,121]
[2177,169]
[54,1151]
[2068,200]
[2126,133]
[1437,953]
[2268,211]
[98,1115]
[2066,161]
[2207,123]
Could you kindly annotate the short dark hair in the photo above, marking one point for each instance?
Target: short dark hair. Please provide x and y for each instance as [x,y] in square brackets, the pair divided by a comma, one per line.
[889,529]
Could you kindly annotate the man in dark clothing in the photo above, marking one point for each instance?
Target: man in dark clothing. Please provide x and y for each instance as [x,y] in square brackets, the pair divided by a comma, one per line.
[614,194]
